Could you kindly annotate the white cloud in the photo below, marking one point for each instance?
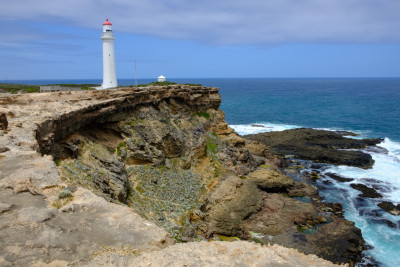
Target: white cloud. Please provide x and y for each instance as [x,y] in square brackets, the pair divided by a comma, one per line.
[259,22]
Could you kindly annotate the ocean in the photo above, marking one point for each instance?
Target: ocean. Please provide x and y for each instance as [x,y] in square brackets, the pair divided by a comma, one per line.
[367,106]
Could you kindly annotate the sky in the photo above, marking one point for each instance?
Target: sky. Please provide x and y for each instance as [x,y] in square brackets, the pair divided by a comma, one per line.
[54,39]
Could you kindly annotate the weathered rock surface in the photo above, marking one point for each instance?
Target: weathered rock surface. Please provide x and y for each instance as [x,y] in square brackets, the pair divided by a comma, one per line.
[306,227]
[270,180]
[32,232]
[233,200]
[318,145]
[216,253]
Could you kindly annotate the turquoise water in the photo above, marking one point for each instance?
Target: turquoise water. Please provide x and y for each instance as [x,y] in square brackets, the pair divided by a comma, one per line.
[369,106]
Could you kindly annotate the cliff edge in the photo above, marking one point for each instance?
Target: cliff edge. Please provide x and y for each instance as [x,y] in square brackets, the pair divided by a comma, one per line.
[118,177]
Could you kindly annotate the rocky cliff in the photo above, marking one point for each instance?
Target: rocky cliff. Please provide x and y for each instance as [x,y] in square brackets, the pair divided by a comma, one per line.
[78,167]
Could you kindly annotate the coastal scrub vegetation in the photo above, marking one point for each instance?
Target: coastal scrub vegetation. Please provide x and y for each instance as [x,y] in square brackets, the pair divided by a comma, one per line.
[27,88]
[15,88]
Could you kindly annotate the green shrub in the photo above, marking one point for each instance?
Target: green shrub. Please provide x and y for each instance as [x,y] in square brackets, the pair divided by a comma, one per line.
[203,114]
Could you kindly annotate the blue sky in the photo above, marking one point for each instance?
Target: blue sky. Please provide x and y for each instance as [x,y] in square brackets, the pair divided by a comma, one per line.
[53,39]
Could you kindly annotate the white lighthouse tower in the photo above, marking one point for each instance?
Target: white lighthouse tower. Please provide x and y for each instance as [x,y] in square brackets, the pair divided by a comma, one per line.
[109,73]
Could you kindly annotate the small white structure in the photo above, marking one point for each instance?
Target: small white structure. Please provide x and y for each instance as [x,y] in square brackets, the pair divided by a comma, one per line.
[162,79]
[109,73]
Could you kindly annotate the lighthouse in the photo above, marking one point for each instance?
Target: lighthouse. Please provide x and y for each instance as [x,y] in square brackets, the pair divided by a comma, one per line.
[109,73]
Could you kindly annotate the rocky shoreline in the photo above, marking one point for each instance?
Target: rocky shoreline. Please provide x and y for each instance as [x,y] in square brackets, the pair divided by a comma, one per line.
[78,168]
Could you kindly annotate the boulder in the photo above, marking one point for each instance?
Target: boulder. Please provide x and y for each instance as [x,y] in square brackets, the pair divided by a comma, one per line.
[232,200]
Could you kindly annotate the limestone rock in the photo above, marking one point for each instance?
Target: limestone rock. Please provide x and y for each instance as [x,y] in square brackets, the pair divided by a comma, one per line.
[232,200]
[256,148]
[270,180]
[217,253]
[35,215]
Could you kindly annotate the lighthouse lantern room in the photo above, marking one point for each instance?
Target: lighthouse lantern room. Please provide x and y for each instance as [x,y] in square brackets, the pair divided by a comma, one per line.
[109,73]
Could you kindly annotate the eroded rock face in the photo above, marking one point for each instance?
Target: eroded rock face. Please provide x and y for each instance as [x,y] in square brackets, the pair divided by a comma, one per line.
[233,200]
[270,180]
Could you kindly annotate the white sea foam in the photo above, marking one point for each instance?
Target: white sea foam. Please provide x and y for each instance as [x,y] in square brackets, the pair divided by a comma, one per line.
[386,172]
[256,128]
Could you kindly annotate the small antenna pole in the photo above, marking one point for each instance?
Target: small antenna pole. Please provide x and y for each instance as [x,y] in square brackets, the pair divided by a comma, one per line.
[135,74]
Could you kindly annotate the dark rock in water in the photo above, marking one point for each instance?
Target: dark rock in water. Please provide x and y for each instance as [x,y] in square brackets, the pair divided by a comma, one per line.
[318,145]
[346,133]
[390,224]
[259,125]
[327,182]
[371,180]
[390,207]
[366,191]
[339,178]
[316,166]
[376,149]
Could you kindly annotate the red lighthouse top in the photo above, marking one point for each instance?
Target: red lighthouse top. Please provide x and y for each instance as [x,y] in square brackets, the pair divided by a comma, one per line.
[107,22]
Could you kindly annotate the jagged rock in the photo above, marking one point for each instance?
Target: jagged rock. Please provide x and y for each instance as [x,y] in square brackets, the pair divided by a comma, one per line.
[318,145]
[115,181]
[390,207]
[338,177]
[366,191]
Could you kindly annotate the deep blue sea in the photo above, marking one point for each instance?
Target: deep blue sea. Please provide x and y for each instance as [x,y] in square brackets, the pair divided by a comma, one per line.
[368,106]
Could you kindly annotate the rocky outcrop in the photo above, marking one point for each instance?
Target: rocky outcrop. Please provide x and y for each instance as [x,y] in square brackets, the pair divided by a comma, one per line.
[318,145]
[168,154]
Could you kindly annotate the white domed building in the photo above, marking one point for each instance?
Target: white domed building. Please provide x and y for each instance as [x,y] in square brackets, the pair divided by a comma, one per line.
[162,79]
